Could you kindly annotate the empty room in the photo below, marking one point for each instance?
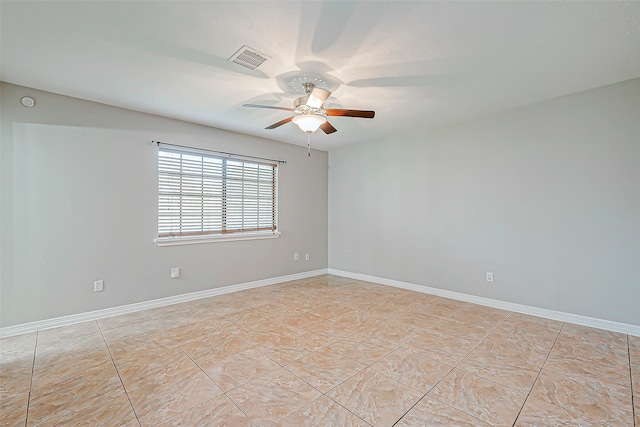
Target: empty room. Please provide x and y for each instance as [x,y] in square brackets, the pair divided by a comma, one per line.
[319,213]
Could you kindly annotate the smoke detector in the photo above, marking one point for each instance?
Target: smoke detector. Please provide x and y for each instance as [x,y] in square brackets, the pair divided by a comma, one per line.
[249,57]
[28,101]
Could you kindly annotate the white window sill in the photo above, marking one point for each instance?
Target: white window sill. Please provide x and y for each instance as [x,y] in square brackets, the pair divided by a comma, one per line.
[173,241]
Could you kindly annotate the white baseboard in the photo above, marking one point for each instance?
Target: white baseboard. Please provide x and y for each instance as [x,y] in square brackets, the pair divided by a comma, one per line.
[146,305]
[519,308]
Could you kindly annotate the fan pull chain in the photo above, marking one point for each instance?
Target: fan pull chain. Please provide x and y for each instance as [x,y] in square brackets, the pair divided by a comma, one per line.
[308,144]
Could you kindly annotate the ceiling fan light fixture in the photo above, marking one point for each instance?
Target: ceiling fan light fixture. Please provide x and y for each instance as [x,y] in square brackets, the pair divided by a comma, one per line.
[309,122]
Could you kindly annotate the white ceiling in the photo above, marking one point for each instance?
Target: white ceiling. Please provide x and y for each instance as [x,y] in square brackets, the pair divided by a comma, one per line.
[417,64]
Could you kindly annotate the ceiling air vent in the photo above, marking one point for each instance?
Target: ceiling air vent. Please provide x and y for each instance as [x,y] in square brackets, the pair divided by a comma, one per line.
[249,57]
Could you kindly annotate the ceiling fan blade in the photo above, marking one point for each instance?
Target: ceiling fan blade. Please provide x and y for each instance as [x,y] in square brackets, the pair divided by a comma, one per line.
[328,128]
[267,106]
[280,123]
[351,113]
[317,97]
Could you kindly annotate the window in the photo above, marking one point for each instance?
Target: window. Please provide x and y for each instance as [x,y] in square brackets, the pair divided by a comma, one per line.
[203,197]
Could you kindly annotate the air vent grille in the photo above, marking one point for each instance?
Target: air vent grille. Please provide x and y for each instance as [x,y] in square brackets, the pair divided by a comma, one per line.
[249,58]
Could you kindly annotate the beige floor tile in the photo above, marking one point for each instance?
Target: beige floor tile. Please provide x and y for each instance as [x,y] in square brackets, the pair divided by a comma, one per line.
[16,364]
[354,320]
[275,309]
[430,412]
[143,349]
[529,350]
[488,311]
[216,344]
[590,368]
[634,348]
[589,396]
[481,316]
[49,356]
[52,375]
[636,406]
[128,319]
[305,302]
[19,346]
[374,349]
[147,329]
[219,309]
[525,323]
[325,368]
[322,412]
[167,394]
[284,349]
[249,318]
[383,309]
[503,370]
[14,410]
[409,298]
[588,334]
[448,350]
[238,368]
[580,348]
[413,370]
[15,379]
[219,412]
[522,324]
[328,309]
[259,334]
[329,329]
[392,332]
[206,338]
[69,335]
[134,372]
[486,400]
[170,321]
[161,373]
[192,333]
[173,310]
[471,331]
[90,402]
[538,413]
[273,397]
[363,348]
[451,303]
[298,321]
[635,378]
[374,397]
[438,307]
[418,320]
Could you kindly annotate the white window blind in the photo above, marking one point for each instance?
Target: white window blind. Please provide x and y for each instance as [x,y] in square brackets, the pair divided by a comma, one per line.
[206,195]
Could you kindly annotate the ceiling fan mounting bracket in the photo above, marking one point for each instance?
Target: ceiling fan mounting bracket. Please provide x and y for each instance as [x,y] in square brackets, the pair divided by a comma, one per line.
[308,87]
[299,84]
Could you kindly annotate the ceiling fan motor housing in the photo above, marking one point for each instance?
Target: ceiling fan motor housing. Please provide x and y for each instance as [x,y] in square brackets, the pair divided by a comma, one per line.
[301,102]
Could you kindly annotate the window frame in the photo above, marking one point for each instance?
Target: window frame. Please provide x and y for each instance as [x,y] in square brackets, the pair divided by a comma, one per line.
[227,180]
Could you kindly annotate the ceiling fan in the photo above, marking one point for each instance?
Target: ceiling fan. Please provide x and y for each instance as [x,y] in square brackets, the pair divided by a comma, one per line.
[310,114]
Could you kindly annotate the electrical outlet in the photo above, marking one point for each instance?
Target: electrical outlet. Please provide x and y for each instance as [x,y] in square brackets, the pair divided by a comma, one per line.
[175,272]
[98,286]
[296,256]
[489,276]
[306,257]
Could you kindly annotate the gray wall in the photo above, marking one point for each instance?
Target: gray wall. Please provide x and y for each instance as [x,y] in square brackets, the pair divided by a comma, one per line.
[79,203]
[546,196]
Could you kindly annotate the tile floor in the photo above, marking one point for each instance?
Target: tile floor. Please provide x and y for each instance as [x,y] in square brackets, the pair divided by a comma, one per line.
[324,351]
